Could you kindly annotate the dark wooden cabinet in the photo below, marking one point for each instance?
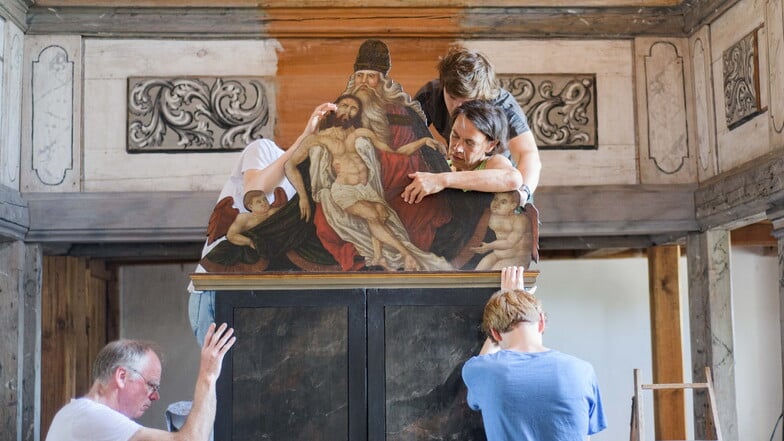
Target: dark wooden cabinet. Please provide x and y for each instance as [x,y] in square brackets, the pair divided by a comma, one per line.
[352,360]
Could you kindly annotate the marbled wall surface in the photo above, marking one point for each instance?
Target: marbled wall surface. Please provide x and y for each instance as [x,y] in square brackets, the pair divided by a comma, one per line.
[290,374]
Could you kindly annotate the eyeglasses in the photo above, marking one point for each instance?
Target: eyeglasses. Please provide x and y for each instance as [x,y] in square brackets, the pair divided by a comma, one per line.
[153,388]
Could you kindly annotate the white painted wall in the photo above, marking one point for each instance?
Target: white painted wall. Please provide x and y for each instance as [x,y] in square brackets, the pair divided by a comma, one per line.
[107,66]
[757,342]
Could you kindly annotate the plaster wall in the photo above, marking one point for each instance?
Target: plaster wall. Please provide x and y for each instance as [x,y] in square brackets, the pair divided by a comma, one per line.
[107,66]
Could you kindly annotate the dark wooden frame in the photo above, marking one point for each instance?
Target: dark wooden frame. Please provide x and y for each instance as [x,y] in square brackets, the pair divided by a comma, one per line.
[367,368]
[352,299]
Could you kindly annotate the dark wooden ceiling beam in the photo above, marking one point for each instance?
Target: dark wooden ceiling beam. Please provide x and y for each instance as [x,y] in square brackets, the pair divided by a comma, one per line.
[414,22]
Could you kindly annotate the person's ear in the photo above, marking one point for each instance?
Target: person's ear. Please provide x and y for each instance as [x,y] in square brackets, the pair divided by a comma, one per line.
[121,376]
[496,335]
[542,322]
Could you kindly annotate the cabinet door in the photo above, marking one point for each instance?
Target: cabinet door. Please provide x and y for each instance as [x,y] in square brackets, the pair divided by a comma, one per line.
[418,340]
[297,371]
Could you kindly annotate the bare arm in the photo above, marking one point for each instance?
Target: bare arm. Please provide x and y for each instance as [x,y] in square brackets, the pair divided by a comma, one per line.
[293,174]
[498,176]
[234,234]
[526,155]
[268,178]
[198,425]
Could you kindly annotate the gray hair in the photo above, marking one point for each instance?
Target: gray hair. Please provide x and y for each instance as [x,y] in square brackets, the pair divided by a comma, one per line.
[119,353]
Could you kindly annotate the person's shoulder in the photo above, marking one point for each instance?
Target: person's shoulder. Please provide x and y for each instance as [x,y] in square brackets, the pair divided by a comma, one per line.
[574,361]
[428,89]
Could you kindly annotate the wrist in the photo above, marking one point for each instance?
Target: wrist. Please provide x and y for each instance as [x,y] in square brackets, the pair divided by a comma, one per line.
[525,194]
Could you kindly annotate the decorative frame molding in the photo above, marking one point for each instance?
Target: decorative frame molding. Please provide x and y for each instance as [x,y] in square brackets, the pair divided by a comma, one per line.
[741,80]
[187,114]
[561,108]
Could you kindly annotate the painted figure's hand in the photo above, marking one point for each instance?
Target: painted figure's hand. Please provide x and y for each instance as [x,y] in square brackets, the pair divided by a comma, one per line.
[513,278]
[484,247]
[304,208]
[422,184]
[318,115]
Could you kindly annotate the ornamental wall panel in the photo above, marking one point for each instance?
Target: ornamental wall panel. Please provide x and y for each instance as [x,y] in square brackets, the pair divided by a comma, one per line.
[108,66]
[51,154]
[666,139]
[705,127]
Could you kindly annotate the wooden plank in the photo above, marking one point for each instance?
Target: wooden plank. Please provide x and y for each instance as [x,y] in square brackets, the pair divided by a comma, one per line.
[667,349]
[744,192]
[14,214]
[287,280]
[356,3]
[141,217]
[329,22]
[757,234]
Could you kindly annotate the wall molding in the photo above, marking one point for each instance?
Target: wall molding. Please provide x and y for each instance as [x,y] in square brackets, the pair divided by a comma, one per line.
[16,11]
[577,217]
[741,195]
[14,215]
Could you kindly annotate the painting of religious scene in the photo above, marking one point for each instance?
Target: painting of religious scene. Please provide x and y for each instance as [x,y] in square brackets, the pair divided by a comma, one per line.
[340,198]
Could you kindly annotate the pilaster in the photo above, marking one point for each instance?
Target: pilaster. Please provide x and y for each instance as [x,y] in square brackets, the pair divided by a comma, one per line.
[711,323]
[20,341]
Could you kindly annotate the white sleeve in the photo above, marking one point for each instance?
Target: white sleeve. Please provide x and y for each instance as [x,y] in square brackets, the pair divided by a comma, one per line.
[259,155]
[101,423]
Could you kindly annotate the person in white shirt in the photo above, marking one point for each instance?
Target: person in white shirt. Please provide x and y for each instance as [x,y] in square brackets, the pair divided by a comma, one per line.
[127,375]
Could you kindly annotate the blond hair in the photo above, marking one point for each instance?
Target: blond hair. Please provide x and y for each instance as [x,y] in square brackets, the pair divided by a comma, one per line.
[507,308]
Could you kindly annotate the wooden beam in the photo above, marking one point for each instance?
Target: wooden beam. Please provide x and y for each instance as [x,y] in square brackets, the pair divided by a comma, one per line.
[757,234]
[745,192]
[14,215]
[354,22]
[667,349]
[573,215]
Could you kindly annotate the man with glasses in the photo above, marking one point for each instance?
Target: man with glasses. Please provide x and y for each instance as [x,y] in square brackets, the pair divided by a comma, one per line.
[127,377]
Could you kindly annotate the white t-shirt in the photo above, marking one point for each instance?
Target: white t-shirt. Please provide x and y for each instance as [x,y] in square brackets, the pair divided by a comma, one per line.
[86,420]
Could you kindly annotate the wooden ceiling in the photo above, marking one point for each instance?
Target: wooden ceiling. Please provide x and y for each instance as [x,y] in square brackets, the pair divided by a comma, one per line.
[446,19]
[361,3]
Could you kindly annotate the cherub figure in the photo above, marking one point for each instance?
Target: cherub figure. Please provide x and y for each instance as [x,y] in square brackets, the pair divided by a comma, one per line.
[514,239]
[255,201]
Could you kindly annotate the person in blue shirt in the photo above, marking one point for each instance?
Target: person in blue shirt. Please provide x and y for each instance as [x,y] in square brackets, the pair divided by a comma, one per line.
[525,390]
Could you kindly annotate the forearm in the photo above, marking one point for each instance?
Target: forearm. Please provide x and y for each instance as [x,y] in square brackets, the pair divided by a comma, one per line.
[198,425]
[525,156]
[488,180]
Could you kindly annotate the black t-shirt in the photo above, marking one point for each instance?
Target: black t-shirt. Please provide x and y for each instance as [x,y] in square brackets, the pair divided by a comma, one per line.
[431,97]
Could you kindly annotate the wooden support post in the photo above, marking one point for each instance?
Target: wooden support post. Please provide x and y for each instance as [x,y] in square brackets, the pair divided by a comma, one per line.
[711,325]
[667,350]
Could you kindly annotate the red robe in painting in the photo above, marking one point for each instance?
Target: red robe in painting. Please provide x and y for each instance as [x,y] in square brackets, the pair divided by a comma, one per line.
[420,220]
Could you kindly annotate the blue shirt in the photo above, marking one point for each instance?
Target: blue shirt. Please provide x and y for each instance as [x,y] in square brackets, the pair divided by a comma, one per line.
[536,396]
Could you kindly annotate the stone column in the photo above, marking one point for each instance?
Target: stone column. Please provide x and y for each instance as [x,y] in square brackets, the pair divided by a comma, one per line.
[711,325]
[20,341]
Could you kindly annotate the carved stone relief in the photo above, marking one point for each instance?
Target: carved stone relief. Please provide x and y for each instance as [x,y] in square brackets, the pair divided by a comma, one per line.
[741,81]
[197,114]
[53,95]
[561,109]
